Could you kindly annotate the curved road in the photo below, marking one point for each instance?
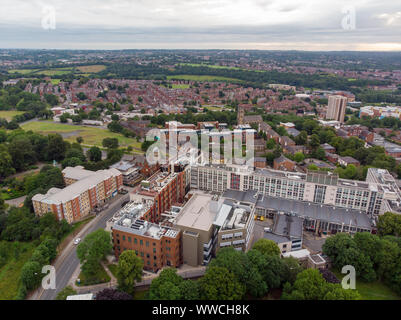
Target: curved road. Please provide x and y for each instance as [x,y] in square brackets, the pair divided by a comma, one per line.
[68,261]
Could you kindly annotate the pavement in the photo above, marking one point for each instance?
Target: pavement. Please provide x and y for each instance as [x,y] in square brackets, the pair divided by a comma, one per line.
[185,271]
[67,262]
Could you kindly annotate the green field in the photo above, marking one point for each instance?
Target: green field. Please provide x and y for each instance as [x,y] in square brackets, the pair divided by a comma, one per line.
[81,70]
[11,271]
[92,136]
[180,86]
[202,78]
[23,71]
[212,66]
[100,276]
[372,290]
[8,115]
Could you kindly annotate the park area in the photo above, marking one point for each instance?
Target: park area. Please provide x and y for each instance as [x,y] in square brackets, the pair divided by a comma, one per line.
[202,78]
[375,290]
[8,115]
[93,136]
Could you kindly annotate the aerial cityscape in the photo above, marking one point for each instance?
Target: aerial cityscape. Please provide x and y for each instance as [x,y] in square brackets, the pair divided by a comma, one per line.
[189,166]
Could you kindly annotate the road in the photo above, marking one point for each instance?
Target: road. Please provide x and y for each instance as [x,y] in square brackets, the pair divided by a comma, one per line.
[67,262]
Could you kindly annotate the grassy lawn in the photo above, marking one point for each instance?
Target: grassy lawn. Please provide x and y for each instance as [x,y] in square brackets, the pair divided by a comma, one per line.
[93,136]
[212,66]
[11,271]
[23,71]
[100,276]
[55,81]
[12,194]
[60,71]
[213,108]
[8,115]
[113,269]
[372,290]
[91,69]
[202,78]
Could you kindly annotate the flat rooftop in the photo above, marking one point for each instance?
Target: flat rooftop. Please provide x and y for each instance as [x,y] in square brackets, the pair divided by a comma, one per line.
[304,209]
[197,213]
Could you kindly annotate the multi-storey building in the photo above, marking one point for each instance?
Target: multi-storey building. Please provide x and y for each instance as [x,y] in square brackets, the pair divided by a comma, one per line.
[210,222]
[165,189]
[85,190]
[315,187]
[158,246]
[336,108]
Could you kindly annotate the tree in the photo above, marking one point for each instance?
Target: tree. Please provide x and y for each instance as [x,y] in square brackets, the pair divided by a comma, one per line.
[31,275]
[6,163]
[189,290]
[129,271]
[111,143]
[310,285]
[314,141]
[239,264]
[302,138]
[80,140]
[220,284]
[75,153]
[71,162]
[299,157]
[94,154]
[291,268]
[267,247]
[56,147]
[112,294]
[166,286]
[67,291]
[389,224]
[22,152]
[93,249]
[270,144]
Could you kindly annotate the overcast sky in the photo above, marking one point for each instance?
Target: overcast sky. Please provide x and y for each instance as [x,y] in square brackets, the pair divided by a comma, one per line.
[201,24]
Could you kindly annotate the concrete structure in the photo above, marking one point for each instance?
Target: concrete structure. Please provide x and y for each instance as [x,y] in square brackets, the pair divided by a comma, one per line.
[129,171]
[336,108]
[321,188]
[85,190]
[195,220]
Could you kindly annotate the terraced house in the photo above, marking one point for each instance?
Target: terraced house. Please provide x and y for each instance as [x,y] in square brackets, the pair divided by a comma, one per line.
[85,190]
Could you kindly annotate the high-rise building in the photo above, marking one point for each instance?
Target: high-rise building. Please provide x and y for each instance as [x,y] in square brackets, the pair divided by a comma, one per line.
[336,108]
[240,115]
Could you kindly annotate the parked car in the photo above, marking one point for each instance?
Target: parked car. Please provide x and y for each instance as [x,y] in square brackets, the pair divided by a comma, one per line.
[77,240]
[267,229]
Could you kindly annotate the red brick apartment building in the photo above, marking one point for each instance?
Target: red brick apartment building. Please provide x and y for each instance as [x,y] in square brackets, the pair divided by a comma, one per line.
[84,191]
[165,189]
[157,246]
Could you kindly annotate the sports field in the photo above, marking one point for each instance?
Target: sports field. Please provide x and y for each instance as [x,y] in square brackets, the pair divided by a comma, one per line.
[93,136]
